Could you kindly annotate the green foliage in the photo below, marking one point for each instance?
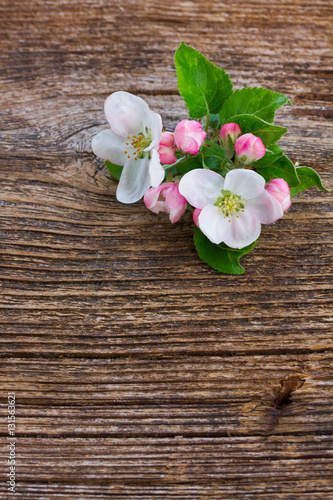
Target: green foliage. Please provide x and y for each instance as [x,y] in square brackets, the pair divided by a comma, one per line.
[115,170]
[187,164]
[252,101]
[308,178]
[214,120]
[267,132]
[213,156]
[220,257]
[281,167]
[272,154]
[203,85]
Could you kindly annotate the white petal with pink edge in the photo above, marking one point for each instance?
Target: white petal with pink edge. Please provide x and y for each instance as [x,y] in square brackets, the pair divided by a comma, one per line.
[201,187]
[265,207]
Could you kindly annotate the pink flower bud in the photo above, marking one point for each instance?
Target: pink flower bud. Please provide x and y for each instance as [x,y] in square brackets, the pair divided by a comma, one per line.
[230,130]
[249,148]
[167,148]
[228,135]
[281,192]
[189,136]
[166,198]
[196,214]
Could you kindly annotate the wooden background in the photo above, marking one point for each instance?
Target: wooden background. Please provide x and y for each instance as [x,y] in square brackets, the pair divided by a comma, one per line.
[139,372]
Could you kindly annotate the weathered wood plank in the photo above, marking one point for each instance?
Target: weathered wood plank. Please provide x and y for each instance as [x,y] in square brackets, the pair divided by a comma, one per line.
[139,372]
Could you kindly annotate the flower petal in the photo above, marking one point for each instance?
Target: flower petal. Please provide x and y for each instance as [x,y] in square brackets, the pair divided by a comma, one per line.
[134,181]
[243,230]
[201,187]
[154,122]
[173,198]
[151,196]
[190,145]
[176,213]
[213,224]
[245,183]
[126,113]
[156,171]
[265,207]
[110,146]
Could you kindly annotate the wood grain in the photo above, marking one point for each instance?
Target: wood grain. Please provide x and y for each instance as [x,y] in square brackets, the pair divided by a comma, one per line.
[139,372]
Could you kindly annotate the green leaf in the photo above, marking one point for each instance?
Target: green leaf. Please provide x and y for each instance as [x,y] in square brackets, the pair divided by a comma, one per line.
[267,132]
[308,178]
[115,170]
[189,163]
[220,257]
[272,154]
[213,156]
[214,121]
[203,85]
[281,167]
[253,101]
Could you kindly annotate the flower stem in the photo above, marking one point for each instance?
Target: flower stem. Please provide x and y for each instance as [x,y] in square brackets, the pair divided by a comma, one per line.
[166,167]
[226,165]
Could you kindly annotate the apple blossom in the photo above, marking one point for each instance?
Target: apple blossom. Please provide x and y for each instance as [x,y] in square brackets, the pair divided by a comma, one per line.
[133,141]
[281,192]
[166,198]
[249,148]
[189,136]
[228,135]
[233,208]
[167,148]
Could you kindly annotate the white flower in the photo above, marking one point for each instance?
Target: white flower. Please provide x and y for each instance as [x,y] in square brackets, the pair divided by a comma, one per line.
[132,141]
[233,208]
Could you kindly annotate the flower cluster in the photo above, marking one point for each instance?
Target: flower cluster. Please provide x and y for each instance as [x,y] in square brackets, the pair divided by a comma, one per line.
[223,163]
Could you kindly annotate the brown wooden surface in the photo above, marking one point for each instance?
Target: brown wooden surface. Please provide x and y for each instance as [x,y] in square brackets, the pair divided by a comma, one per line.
[139,372]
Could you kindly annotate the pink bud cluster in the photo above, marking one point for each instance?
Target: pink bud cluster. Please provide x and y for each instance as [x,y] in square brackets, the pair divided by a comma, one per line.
[248,147]
[188,137]
[166,198]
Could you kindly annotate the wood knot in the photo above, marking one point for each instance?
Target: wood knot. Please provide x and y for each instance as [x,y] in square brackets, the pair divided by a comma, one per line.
[263,416]
[280,396]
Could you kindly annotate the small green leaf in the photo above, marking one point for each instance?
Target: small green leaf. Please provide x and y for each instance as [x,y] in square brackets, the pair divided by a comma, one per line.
[281,167]
[213,156]
[189,163]
[253,101]
[220,257]
[267,132]
[308,178]
[203,85]
[115,170]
